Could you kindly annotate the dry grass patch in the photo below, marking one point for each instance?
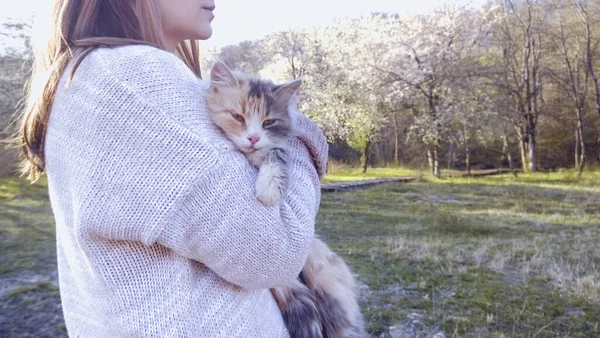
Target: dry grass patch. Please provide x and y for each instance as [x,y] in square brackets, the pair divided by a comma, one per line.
[484,257]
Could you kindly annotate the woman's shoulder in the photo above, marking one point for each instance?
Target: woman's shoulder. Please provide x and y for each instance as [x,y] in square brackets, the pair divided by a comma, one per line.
[141,76]
[133,51]
[139,65]
[155,76]
[151,77]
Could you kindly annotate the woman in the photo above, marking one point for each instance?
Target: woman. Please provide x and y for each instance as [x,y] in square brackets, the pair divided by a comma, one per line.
[158,229]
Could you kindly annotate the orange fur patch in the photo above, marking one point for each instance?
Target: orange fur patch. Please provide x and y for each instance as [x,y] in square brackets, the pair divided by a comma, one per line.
[223,102]
[327,271]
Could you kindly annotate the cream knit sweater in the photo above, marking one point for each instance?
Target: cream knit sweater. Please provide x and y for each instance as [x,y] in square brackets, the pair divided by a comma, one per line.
[159,233]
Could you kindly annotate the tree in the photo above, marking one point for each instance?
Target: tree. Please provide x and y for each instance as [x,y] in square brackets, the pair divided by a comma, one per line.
[572,44]
[345,93]
[250,56]
[14,65]
[425,65]
[586,10]
[14,68]
[461,82]
[519,39]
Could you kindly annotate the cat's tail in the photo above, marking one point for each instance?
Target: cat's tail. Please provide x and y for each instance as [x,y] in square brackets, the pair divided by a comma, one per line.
[299,310]
[333,287]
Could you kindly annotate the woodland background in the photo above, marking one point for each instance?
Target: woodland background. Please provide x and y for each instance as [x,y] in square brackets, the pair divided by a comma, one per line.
[517,81]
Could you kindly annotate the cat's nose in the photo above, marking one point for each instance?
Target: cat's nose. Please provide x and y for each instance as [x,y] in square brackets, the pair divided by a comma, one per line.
[253,139]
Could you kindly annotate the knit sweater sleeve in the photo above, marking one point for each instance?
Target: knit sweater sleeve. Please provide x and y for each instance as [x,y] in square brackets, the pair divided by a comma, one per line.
[223,225]
[167,176]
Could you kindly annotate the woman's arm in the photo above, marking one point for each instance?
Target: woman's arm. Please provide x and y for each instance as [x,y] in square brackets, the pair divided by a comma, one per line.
[223,225]
[168,176]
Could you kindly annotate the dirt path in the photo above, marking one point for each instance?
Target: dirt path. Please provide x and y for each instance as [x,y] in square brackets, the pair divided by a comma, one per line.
[351,185]
[361,184]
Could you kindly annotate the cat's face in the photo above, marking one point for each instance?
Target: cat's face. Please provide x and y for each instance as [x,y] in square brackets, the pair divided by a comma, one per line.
[252,112]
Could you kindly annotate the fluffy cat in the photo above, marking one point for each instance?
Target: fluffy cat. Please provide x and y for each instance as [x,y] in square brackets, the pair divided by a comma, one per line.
[253,113]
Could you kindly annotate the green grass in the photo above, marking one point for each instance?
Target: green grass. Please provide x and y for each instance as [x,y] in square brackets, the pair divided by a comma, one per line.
[341,173]
[563,180]
[27,240]
[491,257]
[346,174]
[484,257]
[43,286]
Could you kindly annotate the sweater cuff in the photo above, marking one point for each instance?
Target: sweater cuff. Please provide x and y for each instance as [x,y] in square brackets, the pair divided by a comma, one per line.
[314,139]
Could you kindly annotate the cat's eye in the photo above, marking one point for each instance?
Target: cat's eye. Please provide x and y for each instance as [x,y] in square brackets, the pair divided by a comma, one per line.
[238,117]
[269,122]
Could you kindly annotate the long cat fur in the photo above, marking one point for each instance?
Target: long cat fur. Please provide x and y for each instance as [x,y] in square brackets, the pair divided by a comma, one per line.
[321,302]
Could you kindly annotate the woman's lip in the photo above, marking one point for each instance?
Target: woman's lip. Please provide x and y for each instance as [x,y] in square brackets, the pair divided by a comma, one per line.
[209,8]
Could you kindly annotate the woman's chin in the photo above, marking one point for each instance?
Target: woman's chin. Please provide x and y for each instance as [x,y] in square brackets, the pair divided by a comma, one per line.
[205,33]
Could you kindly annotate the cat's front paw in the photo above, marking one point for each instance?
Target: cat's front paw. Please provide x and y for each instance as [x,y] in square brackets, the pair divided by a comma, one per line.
[269,185]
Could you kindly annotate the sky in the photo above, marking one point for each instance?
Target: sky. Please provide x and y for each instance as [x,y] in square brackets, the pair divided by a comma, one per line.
[238,20]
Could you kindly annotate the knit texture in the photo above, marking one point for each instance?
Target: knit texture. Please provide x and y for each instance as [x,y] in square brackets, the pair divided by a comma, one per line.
[159,232]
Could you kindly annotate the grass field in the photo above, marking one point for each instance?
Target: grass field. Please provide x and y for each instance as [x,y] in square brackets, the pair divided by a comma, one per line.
[340,173]
[345,175]
[29,298]
[26,228]
[480,257]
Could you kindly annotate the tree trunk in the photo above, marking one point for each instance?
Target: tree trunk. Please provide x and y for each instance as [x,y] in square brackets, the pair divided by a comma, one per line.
[430,159]
[576,152]
[582,158]
[506,153]
[580,131]
[468,156]
[436,161]
[367,146]
[510,163]
[532,153]
[524,147]
[396,140]
[598,149]
[451,158]
[433,158]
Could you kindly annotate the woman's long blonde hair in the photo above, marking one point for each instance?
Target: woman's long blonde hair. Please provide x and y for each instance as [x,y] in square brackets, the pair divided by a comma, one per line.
[77,28]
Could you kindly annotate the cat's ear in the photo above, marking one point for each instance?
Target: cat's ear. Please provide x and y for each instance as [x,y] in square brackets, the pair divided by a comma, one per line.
[221,76]
[286,91]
